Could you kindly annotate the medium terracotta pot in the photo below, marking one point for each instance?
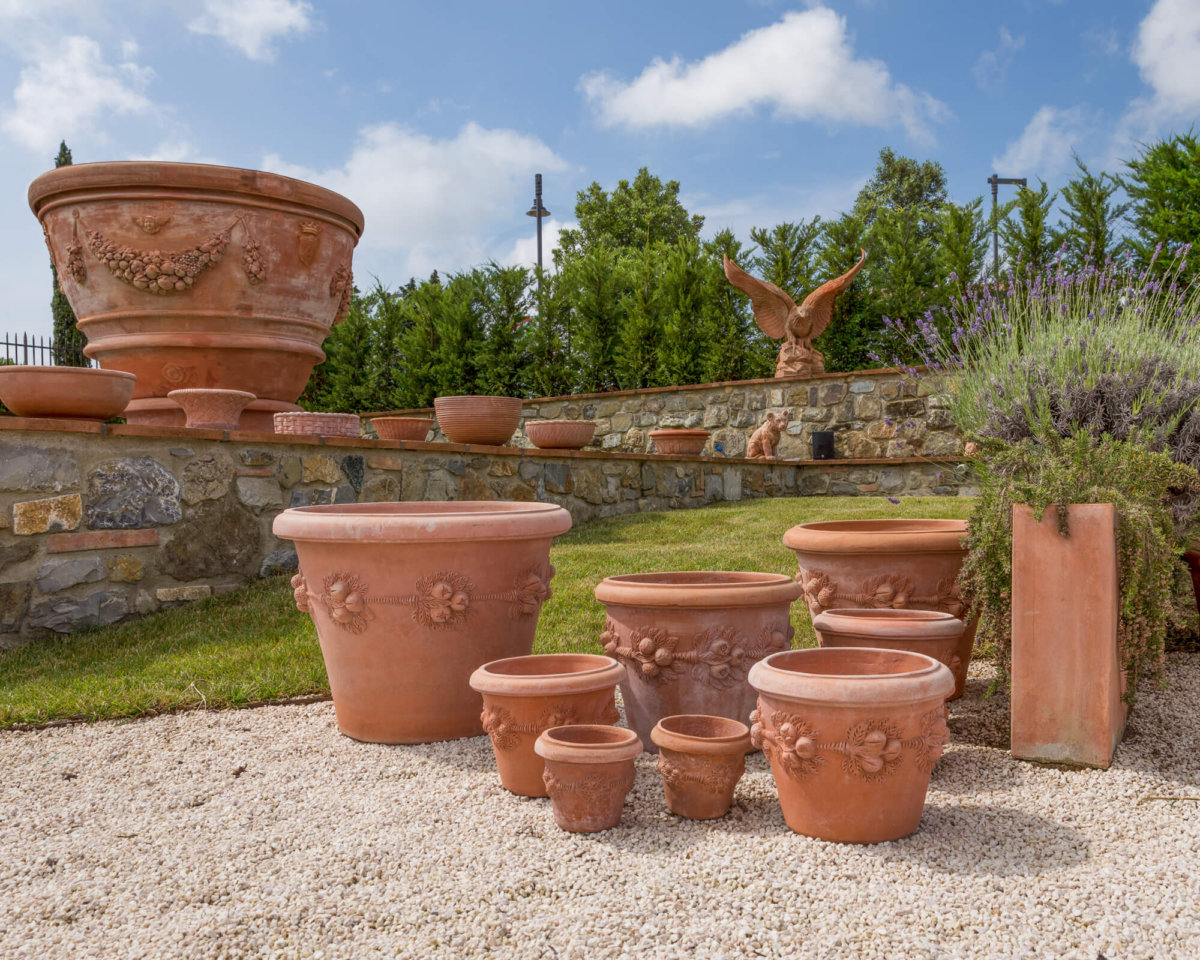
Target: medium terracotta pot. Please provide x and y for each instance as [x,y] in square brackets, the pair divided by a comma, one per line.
[683,443]
[522,696]
[701,759]
[81,393]
[190,275]
[211,409]
[881,564]
[402,428]
[852,735]
[930,632]
[560,434]
[310,424]
[409,598]
[687,639]
[589,771]
[471,419]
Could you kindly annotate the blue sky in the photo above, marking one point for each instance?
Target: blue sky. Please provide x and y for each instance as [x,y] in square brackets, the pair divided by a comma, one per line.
[434,116]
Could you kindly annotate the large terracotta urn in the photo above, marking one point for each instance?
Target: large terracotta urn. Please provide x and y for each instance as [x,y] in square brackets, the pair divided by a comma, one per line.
[687,640]
[409,598]
[198,276]
[886,564]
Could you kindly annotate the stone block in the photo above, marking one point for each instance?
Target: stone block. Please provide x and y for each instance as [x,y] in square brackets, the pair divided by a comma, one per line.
[283,560]
[812,483]
[100,540]
[132,493]
[58,574]
[731,483]
[206,478]
[259,493]
[502,468]
[867,407]
[194,591]
[843,488]
[611,441]
[855,445]
[714,488]
[832,393]
[182,452]
[27,469]
[941,444]
[257,458]
[345,494]
[217,537]
[49,515]
[456,466]
[354,467]
[291,471]
[381,490]
[319,468]
[67,614]
[559,478]
[385,461]
[16,552]
[862,386]
[621,422]
[474,487]
[125,568]
[14,601]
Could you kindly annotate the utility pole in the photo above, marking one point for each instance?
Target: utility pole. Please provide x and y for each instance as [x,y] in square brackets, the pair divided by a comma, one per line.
[538,211]
[995,181]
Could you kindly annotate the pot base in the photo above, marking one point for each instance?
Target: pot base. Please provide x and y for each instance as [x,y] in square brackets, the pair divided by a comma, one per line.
[258,417]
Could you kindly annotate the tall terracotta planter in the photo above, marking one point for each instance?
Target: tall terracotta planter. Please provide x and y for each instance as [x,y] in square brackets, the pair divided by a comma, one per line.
[687,640]
[886,564]
[1066,677]
[190,275]
[409,598]
[852,735]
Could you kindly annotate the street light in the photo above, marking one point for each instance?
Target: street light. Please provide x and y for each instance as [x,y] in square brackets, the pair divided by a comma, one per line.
[538,211]
[995,181]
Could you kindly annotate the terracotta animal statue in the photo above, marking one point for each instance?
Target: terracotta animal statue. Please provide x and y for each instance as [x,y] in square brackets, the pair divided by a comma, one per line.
[765,439]
[778,316]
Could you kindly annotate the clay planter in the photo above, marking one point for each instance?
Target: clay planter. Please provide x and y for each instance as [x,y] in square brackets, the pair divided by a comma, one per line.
[73,392]
[560,434]
[681,443]
[487,420]
[190,275]
[409,598]
[688,639]
[402,428]
[852,735]
[522,696]
[701,759]
[886,564]
[589,770]
[319,424]
[930,632]
[211,409]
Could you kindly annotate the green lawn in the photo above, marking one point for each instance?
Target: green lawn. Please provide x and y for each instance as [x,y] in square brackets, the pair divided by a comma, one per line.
[254,645]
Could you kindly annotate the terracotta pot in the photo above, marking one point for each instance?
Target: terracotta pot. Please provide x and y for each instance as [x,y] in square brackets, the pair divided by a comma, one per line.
[402,428]
[687,639]
[211,409]
[589,771]
[257,417]
[682,443]
[409,598]
[852,735]
[73,392]
[701,759]
[882,564]
[930,632]
[190,275]
[560,434]
[522,696]
[469,419]
[319,424]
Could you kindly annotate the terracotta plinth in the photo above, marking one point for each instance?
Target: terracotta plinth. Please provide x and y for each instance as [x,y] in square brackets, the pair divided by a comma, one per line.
[701,759]
[1066,675]
[474,419]
[73,392]
[560,434]
[589,771]
[211,409]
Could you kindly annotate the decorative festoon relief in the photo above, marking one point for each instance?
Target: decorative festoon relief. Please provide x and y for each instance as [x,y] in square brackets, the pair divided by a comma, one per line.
[308,242]
[719,656]
[884,590]
[871,750]
[713,778]
[300,593]
[341,284]
[253,264]
[506,732]
[594,788]
[149,223]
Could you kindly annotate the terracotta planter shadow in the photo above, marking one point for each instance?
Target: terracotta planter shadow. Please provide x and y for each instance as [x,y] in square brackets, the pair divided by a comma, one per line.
[589,772]
[701,759]
[81,393]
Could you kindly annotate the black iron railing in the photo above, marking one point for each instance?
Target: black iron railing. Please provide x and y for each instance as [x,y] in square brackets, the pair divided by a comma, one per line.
[33,350]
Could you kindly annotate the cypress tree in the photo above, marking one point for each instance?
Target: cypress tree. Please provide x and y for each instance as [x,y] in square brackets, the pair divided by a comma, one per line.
[68,343]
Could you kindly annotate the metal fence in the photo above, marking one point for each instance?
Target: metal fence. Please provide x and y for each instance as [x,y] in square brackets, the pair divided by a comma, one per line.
[40,351]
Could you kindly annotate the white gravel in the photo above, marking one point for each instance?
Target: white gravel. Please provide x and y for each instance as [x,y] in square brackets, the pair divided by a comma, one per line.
[264,833]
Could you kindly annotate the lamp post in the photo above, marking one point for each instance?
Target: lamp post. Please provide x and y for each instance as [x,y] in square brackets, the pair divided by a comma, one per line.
[995,181]
[538,211]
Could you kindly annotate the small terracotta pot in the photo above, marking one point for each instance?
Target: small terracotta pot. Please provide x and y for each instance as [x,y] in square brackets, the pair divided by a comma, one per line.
[930,632]
[683,443]
[402,428]
[472,419]
[257,417]
[701,759]
[319,424]
[560,434]
[522,696]
[211,409]
[81,393]
[589,771]
[852,735]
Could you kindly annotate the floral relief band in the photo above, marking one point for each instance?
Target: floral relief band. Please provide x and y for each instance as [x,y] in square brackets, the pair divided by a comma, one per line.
[712,778]
[506,732]
[884,590]
[593,788]
[719,656]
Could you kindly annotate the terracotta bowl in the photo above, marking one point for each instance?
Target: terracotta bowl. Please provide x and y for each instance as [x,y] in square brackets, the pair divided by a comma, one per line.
[211,409]
[319,424]
[402,428]
[682,443]
[84,393]
[485,420]
[560,434]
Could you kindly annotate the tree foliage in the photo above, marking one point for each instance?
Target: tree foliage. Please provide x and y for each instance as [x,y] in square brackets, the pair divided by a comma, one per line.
[1163,185]
[68,342]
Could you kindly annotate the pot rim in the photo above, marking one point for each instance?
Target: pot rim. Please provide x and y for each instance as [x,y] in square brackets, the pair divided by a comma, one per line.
[402,419]
[924,679]
[162,175]
[601,673]
[423,521]
[209,391]
[559,744]
[890,624]
[897,535]
[679,433]
[736,742]
[476,396]
[689,588]
[557,421]
[13,368]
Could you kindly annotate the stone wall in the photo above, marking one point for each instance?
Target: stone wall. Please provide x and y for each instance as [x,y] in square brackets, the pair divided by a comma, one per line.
[99,523]
[873,413]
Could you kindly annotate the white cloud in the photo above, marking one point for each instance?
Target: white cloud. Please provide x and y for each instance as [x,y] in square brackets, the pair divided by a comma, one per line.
[252,26]
[434,203]
[802,67]
[1167,53]
[992,66]
[523,252]
[1045,145]
[67,89]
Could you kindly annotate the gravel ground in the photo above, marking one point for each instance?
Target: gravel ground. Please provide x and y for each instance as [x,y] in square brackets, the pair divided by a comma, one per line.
[265,833]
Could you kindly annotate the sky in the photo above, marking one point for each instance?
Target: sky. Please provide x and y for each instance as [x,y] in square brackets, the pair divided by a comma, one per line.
[434,116]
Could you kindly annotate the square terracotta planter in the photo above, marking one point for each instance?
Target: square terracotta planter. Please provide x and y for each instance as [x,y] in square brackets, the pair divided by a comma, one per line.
[1066,671]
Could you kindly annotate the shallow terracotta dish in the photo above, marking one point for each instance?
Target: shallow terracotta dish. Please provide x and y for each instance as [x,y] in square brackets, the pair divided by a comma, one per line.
[472,419]
[683,443]
[402,428]
[560,434]
[84,393]
[319,424]
[589,771]
[701,759]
